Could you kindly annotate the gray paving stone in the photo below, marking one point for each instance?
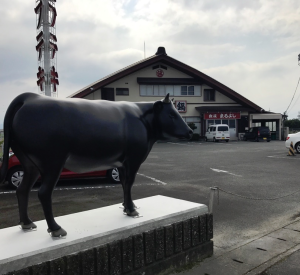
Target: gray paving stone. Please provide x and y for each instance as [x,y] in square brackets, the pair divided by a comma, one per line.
[294,226]
[294,259]
[273,245]
[222,265]
[286,234]
[250,255]
[283,268]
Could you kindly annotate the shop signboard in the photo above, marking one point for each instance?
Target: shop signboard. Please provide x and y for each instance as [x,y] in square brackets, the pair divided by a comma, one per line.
[222,115]
[180,105]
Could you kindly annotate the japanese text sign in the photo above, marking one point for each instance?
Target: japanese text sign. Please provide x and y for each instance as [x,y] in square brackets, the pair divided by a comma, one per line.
[222,115]
[181,106]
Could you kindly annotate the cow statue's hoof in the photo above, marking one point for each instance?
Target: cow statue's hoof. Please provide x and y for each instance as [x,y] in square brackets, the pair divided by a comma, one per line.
[134,206]
[57,233]
[133,213]
[30,226]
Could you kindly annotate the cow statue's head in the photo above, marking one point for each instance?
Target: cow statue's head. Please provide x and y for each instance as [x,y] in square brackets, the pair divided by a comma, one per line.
[168,121]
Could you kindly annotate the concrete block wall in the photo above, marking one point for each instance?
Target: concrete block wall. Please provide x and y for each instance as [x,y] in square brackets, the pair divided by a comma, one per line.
[150,252]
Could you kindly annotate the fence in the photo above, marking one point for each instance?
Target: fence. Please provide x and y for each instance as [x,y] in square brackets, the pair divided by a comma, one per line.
[218,189]
[294,130]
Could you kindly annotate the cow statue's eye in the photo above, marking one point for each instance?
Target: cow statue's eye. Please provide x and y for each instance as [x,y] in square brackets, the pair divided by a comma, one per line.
[171,116]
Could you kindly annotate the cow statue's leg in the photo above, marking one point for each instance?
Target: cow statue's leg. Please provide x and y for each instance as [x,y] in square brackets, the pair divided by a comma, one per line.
[127,179]
[49,180]
[29,178]
[122,172]
[31,174]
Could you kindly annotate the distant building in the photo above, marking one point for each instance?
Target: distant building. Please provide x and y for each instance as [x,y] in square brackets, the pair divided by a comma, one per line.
[199,98]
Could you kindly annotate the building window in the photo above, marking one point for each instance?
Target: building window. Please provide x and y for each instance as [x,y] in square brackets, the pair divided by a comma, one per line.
[271,125]
[209,95]
[149,90]
[230,122]
[156,90]
[191,90]
[187,90]
[176,90]
[210,122]
[122,91]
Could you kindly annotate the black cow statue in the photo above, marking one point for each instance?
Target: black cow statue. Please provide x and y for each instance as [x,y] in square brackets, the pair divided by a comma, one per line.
[48,134]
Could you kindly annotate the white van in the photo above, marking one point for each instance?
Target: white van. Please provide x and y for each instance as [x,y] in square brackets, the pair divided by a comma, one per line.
[217,132]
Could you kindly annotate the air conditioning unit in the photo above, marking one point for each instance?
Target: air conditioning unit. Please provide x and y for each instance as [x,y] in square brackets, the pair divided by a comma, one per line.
[241,136]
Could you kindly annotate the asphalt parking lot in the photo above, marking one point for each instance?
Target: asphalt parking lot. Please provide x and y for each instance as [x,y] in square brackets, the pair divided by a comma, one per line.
[187,170]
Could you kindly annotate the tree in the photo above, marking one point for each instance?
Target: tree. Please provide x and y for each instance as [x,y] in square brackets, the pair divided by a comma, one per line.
[292,123]
[192,126]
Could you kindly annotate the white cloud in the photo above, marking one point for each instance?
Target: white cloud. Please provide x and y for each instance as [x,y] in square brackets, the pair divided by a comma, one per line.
[269,85]
[250,46]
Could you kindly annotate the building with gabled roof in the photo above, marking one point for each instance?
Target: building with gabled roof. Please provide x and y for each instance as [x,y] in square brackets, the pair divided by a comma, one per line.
[199,98]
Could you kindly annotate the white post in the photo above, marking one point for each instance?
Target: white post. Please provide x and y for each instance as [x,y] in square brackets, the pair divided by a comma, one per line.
[211,199]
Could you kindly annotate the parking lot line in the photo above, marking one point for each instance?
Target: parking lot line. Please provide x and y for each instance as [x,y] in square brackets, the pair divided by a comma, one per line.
[156,182]
[67,188]
[223,171]
[179,144]
[154,179]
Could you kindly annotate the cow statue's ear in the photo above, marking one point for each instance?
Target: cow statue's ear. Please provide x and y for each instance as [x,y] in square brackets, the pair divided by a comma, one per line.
[172,100]
[157,107]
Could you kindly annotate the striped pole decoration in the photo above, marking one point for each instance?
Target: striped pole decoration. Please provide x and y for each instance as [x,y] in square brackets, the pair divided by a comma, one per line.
[291,150]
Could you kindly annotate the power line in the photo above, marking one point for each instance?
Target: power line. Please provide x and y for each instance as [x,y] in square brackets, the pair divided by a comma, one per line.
[293,95]
[295,102]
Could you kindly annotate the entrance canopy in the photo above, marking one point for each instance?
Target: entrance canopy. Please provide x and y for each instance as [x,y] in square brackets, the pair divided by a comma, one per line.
[272,120]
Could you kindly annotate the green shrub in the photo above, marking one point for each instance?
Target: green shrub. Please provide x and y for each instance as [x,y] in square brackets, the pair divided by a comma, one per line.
[195,137]
[192,125]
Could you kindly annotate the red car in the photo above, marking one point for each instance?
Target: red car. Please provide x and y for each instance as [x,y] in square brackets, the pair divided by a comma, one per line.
[15,173]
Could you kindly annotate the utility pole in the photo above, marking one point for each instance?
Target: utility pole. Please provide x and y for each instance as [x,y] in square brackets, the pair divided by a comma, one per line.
[46,47]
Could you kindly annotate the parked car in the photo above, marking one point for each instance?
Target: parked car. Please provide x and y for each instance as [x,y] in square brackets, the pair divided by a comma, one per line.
[258,134]
[15,173]
[295,138]
[217,132]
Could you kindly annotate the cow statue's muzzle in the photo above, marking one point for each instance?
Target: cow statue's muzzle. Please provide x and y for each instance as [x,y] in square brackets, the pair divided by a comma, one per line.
[188,135]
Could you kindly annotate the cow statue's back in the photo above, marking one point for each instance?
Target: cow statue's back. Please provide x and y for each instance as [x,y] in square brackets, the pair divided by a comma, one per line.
[82,135]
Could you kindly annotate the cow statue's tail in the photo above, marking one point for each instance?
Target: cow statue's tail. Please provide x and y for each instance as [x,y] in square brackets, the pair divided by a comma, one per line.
[7,127]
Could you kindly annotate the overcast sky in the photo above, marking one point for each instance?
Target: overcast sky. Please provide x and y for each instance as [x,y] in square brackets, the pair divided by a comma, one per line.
[250,46]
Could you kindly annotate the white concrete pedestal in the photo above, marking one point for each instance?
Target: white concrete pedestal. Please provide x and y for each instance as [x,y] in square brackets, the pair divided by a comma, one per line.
[20,249]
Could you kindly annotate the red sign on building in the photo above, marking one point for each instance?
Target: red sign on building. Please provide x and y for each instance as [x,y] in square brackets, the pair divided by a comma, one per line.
[223,115]
[159,73]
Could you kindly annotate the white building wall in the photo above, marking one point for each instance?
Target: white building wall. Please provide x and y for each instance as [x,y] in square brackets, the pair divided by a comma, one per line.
[191,114]
[130,82]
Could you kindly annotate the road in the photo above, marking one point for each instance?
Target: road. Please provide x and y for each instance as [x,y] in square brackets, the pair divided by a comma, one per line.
[186,170]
